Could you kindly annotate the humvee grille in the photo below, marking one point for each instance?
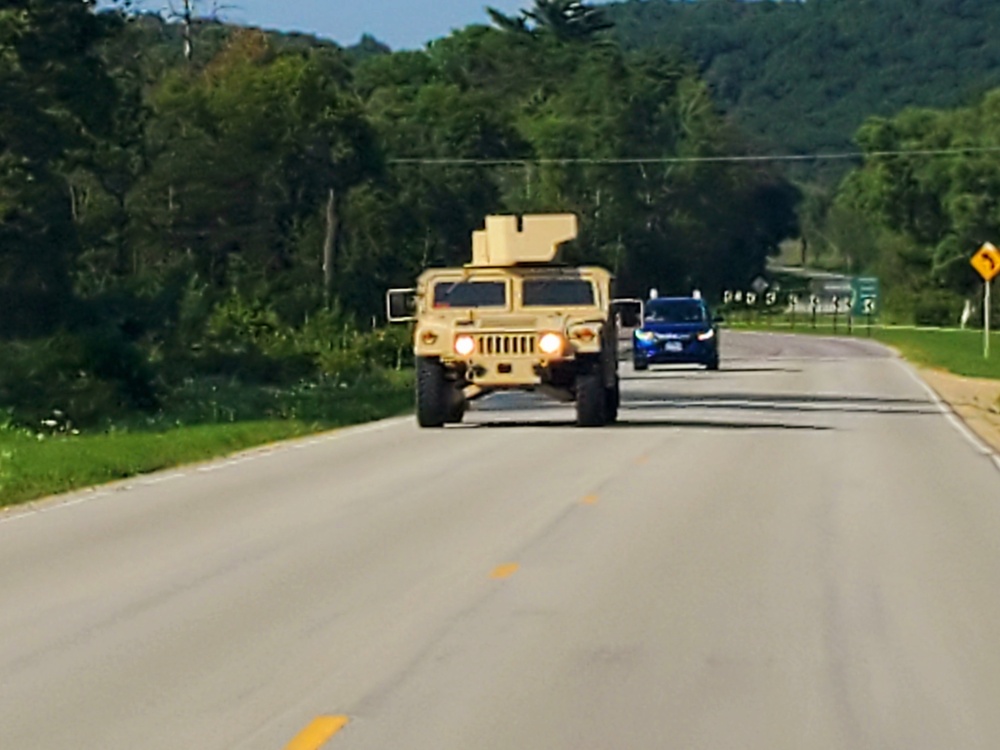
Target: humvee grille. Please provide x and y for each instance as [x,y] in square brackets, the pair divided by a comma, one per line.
[512,344]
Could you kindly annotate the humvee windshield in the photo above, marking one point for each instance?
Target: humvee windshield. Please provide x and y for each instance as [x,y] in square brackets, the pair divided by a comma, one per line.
[470,294]
[558,293]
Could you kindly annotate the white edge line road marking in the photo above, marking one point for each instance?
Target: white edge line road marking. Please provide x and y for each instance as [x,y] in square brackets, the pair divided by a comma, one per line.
[84,496]
[953,418]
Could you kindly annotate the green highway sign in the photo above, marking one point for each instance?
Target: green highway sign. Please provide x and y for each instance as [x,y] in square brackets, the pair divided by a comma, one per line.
[865,296]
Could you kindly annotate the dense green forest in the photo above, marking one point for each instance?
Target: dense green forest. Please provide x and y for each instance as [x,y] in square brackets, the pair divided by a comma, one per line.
[231,205]
[184,209]
[846,75]
[801,77]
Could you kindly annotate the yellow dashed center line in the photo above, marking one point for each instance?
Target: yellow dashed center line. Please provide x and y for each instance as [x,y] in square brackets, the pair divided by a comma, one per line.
[505,571]
[590,500]
[318,733]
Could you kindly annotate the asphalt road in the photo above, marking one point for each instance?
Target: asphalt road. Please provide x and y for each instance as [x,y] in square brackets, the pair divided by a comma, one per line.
[800,551]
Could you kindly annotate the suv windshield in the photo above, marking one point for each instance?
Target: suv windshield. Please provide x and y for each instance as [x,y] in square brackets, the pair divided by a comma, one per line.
[470,294]
[558,293]
[676,311]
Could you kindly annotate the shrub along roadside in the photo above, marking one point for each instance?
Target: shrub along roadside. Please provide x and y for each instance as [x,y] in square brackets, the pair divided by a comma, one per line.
[205,420]
[116,396]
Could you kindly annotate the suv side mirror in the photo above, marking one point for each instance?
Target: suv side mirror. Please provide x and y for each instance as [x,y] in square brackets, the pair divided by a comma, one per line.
[401,305]
[630,312]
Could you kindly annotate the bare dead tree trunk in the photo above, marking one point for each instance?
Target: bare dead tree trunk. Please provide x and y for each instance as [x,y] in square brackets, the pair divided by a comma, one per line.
[73,202]
[330,245]
[187,23]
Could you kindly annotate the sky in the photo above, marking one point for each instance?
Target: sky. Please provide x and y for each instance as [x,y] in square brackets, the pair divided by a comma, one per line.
[402,24]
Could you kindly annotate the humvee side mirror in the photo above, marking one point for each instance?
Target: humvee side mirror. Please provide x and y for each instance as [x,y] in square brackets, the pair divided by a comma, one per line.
[630,312]
[401,305]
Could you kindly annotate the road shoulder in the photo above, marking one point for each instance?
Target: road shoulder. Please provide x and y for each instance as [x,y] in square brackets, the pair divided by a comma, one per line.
[975,400]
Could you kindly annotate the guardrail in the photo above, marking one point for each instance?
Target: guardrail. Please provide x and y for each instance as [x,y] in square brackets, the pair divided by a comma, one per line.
[769,311]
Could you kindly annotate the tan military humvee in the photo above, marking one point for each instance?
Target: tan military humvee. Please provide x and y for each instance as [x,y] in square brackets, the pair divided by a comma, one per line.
[514,319]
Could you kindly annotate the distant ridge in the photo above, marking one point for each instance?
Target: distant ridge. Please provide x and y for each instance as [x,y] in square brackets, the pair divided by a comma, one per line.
[800,77]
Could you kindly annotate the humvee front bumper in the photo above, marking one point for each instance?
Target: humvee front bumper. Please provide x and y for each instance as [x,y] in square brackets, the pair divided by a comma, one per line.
[505,373]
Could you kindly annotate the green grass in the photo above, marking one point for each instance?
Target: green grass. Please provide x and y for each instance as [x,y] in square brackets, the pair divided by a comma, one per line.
[199,422]
[959,352]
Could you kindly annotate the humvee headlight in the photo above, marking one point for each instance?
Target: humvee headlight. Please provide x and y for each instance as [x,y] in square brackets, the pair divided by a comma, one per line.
[550,343]
[465,345]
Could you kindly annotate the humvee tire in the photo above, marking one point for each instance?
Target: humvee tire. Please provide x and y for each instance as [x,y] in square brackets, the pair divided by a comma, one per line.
[432,397]
[456,404]
[613,398]
[591,400]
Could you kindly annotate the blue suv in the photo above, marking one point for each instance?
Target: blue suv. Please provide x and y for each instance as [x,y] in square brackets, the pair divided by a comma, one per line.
[676,330]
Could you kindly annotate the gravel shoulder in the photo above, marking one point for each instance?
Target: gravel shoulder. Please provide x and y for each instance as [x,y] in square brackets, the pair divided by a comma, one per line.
[976,400]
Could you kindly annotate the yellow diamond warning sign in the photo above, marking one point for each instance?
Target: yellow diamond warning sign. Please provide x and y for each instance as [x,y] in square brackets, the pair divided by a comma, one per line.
[987,261]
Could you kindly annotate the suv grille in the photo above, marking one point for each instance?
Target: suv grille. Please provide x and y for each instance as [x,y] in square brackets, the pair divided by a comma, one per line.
[506,344]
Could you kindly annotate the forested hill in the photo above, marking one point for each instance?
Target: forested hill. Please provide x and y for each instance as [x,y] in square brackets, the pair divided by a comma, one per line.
[161,42]
[802,76]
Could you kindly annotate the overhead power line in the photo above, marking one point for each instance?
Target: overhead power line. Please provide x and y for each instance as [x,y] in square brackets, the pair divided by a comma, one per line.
[637,161]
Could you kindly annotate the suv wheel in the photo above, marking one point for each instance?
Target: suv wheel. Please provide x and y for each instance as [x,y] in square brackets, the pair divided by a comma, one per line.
[640,363]
[591,400]
[432,404]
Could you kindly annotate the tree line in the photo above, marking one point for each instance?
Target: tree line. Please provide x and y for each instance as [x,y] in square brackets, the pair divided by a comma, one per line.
[857,76]
[236,205]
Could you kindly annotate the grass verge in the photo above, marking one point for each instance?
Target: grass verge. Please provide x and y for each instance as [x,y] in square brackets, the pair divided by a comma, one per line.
[958,352]
[200,422]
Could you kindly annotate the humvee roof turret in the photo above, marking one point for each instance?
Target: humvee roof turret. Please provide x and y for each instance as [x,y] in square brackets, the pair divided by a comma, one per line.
[514,319]
[536,240]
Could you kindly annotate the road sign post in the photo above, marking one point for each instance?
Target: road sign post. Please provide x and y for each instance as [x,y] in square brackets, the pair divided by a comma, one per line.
[986,320]
[987,262]
[869,309]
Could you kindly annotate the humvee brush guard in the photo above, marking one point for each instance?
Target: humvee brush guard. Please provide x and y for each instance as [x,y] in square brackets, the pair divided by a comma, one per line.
[513,319]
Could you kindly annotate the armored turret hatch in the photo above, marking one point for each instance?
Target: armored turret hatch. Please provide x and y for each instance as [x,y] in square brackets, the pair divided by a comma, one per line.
[509,241]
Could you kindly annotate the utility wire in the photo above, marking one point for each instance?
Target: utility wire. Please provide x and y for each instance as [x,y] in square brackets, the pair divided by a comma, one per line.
[633,161]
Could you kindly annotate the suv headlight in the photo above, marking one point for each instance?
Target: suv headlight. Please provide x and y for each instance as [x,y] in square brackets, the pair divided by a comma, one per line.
[645,336]
[707,335]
